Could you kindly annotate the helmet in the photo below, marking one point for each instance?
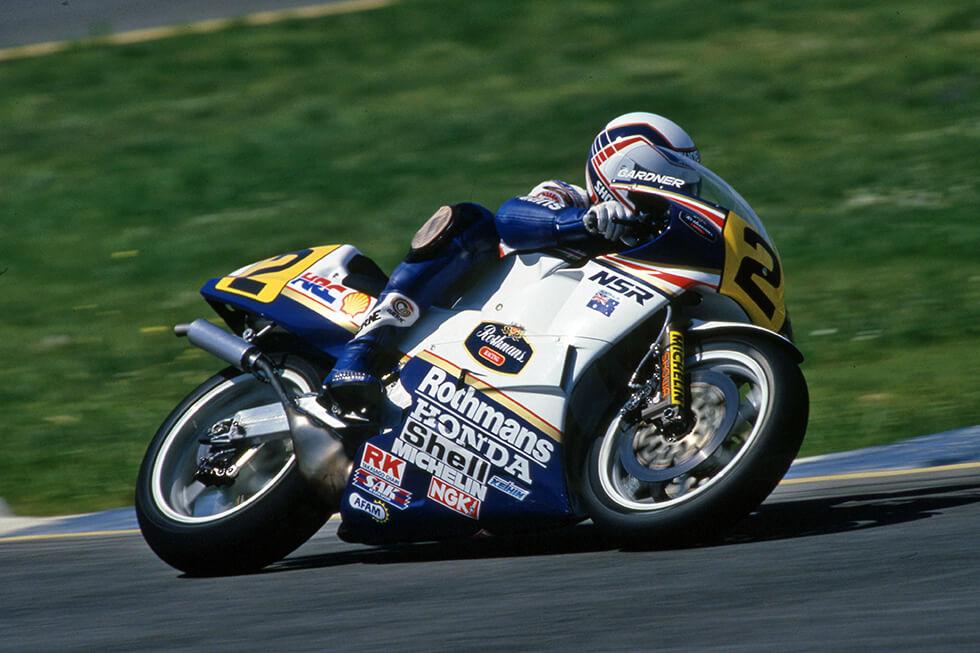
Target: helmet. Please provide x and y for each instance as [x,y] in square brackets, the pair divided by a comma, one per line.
[637,141]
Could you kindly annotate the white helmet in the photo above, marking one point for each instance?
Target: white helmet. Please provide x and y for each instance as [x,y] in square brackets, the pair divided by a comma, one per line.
[631,138]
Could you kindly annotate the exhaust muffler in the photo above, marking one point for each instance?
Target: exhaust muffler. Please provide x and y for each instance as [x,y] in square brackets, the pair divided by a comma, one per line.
[228,347]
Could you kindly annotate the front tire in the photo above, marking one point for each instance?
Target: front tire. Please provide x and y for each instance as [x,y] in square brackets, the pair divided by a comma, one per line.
[266,513]
[751,404]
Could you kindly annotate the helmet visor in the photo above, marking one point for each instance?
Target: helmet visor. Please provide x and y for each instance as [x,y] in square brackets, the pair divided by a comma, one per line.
[652,169]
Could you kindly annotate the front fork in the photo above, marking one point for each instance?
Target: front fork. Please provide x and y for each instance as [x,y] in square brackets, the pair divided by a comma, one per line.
[662,400]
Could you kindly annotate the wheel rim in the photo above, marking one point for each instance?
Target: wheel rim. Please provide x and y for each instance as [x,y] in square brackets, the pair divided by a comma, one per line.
[175,491]
[639,470]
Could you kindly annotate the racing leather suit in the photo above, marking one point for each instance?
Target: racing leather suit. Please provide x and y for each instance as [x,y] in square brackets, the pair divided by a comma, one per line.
[451,244]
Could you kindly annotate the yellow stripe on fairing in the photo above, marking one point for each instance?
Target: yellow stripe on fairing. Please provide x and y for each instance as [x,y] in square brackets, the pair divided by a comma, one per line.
[525,413]
[319,309]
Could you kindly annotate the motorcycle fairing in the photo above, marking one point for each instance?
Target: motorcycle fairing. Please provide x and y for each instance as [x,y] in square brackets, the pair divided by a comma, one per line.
[709,245]
[464,471]
[465,457]
[562,318]
[319,293]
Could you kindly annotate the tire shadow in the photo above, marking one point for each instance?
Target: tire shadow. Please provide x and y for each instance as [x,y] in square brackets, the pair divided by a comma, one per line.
[581,538]
[782,519]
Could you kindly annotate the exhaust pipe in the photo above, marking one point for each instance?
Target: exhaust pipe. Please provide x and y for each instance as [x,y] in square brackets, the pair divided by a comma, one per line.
[320,455]
[219,343]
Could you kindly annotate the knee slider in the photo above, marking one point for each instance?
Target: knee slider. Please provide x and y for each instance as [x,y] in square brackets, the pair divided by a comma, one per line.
[469,227]
[434,234]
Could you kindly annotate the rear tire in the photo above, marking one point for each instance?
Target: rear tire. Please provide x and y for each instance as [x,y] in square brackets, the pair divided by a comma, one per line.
[264,515]
[751,404]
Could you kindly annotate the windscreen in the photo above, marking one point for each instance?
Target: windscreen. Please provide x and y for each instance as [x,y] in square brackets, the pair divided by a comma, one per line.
[662,169]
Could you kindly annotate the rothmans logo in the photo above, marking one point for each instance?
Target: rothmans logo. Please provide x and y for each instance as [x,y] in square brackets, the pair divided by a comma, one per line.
[499,347]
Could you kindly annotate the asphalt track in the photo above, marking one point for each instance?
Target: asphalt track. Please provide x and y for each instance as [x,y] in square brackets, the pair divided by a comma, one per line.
[37,27]
[859,551]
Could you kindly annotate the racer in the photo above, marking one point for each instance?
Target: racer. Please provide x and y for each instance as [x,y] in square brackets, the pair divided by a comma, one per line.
[458,237]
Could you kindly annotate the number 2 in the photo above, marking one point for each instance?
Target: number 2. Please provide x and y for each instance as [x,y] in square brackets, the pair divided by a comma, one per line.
[752,275]
[265,280]
[250,284]
[751,267]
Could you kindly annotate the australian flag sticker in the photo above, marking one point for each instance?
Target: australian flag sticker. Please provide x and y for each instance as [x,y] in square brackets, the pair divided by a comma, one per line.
[603,302]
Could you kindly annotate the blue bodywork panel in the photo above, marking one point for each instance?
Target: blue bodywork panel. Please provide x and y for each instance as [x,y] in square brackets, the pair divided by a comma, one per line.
[458,463]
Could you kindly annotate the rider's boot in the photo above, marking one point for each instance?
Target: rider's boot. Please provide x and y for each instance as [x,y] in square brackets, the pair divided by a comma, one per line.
[352,390]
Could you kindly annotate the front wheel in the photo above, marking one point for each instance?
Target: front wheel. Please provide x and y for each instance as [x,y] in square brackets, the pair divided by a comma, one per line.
[750,404]
[223,526]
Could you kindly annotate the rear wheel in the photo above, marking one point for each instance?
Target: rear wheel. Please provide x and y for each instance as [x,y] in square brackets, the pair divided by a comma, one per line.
[750,404]
[230,525]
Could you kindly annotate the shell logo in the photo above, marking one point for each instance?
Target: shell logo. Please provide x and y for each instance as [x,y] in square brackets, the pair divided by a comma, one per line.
[355,303]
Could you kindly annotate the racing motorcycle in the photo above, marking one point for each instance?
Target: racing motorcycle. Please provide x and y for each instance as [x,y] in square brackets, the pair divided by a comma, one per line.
[655,391]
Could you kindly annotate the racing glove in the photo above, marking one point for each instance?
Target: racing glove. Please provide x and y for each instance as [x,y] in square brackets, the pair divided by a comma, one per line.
[613,221]
[562,192]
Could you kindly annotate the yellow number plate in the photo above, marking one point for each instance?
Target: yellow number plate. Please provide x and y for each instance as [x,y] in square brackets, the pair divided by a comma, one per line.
[264,281]
[753,276]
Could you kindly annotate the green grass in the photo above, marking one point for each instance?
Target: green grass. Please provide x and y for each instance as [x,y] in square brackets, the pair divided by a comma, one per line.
[129,175]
